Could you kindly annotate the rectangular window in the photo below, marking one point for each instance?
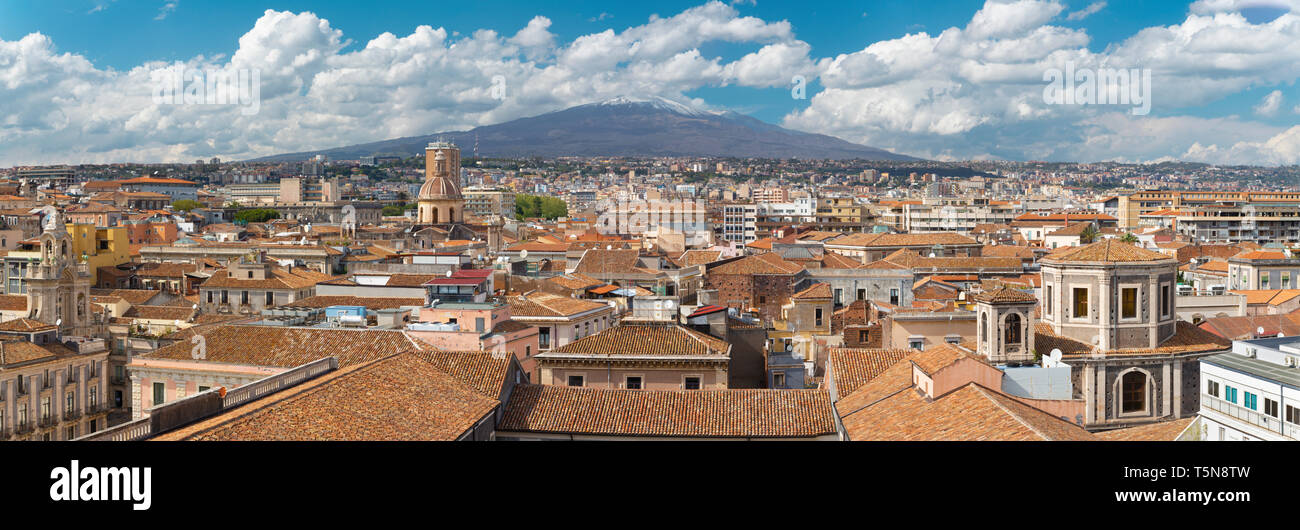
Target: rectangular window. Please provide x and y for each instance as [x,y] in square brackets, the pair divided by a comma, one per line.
[225,297]
[576,380]
[1080,302]
[1229,394]
[1212,387]
[45,407]
[1270,407]
[204,388]
[479,323]
[243,297]
[159,393]
[1165,300]
[818,317]
[544,337]
[211,296]
[72,432]
[916,344]
[1286,280]
[864,336]
[862,294]
[270,298]
[893,296]
[1249,401]
[691,383]
[71,402]
[633,383]
[778,379]
[1048,308]
[1293,414]
[1128,302]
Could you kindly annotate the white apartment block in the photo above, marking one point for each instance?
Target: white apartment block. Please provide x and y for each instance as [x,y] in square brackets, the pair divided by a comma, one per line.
[1252,393]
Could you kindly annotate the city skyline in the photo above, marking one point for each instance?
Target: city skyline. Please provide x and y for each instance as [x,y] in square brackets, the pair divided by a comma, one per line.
[964,82]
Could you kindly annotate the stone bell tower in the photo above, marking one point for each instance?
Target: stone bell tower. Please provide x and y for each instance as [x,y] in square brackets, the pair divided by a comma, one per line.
[1006,326]
[58,290]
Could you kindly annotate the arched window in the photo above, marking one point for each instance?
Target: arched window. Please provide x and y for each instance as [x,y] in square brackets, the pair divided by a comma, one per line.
[984,327]
[1133,392]
[1012,333]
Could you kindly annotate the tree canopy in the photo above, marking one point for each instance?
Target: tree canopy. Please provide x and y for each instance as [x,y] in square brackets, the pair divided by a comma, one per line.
[256,215]
[185,205]
[527,206]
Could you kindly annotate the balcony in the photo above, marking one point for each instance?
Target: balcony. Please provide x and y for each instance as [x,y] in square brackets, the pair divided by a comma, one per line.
[71,415]
[48,421]
[1251,417]
[23,427]
[118,380]
[95,408]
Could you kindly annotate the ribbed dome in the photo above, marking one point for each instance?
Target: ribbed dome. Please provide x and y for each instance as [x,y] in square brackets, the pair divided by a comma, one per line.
[439,188]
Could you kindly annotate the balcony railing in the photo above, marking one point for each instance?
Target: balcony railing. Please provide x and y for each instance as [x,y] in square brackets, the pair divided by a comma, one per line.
[1249,416]
[48,420]
[95,408]
[72,414]
[23,427]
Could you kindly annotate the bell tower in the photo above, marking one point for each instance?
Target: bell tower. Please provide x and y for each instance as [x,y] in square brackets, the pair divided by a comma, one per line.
[1006,326]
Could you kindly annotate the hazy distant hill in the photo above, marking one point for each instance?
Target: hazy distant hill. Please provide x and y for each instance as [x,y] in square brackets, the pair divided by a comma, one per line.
[623,127]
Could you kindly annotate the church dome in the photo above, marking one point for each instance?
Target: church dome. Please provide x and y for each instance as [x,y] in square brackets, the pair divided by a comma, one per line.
[438,188]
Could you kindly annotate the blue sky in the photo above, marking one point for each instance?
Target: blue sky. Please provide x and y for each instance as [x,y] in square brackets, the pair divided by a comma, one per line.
[1243,92]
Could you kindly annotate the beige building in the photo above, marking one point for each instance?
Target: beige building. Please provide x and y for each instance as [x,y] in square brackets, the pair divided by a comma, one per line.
[49,389]
[639,355]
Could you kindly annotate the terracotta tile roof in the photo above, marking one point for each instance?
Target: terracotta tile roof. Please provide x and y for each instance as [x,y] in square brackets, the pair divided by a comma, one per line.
[600,261]
[1268,296]
[575,281]
[369,302]
[647,339]
[835,260]
[482,371]
[768,263]
[1246,327]
[290,347]
[1073,229]
[817,291]
[669,413]
[25,325]
[691,258]
[1004,294]
[132,296]
[537,246]
[551,305]
[397,397]
[1165,431]
[853,367]
[1108,250]
[151,312]
[280,278]
[969,413]
[939,357]
[1262,254]
[901,240]
[1187,338]
[21,352]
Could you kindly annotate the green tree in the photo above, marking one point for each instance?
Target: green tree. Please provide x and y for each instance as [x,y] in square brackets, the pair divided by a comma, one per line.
[1089,234]
[256,215]
[527,206]
[185,205]
[1129,238]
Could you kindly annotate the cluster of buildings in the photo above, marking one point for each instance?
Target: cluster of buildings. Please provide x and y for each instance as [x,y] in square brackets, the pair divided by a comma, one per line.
[658,308]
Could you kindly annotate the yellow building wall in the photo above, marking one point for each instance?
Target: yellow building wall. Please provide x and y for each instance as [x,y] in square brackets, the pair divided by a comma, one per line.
[86,239]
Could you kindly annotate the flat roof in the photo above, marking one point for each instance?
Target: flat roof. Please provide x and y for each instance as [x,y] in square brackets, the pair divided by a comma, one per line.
[1262,369]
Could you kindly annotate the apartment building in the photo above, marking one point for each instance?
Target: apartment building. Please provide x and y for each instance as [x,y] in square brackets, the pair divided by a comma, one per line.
[50,389]
[1252,393]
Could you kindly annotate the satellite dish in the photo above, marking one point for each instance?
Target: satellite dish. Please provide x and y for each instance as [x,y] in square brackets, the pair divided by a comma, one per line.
[1259,330]
[58,322]
[448,274]
[932,254]
[668,304]
[523,253]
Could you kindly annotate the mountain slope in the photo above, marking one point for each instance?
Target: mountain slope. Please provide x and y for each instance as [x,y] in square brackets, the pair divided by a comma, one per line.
[624,127]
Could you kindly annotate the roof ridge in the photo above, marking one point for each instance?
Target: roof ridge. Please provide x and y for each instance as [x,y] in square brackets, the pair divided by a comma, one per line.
[985,392]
